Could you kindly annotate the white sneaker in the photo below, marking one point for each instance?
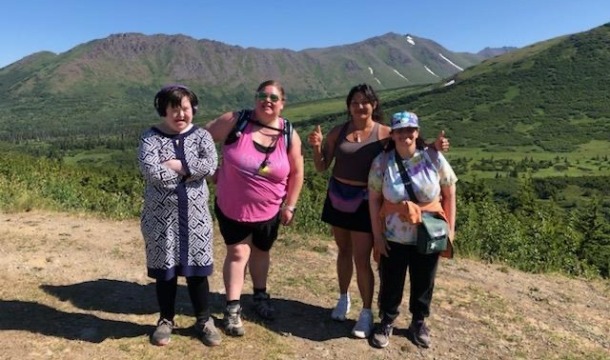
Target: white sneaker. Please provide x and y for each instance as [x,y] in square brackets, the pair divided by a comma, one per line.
[364,325]
[340,311]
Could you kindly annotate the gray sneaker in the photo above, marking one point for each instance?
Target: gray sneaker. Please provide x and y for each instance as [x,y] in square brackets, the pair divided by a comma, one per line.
[340,311]
[208,333]
[419,333]
[262,306]
[381,336]
[232,321]
[161,336]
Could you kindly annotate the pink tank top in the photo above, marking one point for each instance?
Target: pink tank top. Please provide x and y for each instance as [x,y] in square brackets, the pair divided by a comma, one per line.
[244,193]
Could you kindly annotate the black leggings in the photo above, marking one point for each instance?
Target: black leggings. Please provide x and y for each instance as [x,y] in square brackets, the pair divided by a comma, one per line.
[199,291]
[392,276]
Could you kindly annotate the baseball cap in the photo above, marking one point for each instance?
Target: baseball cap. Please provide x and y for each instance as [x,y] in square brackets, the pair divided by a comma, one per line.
[404,119]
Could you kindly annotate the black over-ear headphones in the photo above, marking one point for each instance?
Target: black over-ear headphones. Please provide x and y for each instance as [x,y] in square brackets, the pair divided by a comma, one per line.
[161,99]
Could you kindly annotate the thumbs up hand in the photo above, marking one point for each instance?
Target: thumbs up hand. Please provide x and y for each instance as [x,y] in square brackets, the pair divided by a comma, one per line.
[315,137]
[441,143]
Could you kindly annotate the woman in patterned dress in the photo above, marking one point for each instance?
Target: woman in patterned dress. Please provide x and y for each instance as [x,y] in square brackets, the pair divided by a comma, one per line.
[175,157]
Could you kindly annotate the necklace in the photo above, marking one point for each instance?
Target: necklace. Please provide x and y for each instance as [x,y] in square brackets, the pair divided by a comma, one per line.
[263,168]
[359,134]
[256,122]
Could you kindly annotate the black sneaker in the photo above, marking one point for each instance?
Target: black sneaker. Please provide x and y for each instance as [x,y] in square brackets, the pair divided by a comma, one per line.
[420,335]
[262,306]
[381,336]
[161,336]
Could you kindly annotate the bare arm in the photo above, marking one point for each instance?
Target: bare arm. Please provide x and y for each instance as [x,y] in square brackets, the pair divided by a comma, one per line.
[295,179]
[380,244]
[448,202]
[323,152]
[221,126]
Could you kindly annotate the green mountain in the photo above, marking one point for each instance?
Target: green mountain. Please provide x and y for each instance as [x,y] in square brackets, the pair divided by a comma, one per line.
[107,85]
[551,95]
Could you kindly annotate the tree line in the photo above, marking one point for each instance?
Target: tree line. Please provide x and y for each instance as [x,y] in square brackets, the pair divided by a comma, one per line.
[519,227]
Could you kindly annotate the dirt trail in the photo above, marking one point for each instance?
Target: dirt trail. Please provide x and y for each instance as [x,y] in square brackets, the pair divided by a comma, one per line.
[75,287]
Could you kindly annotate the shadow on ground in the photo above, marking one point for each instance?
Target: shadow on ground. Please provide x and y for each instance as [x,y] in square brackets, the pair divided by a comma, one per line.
[294,318]
[45,320]
[113,296]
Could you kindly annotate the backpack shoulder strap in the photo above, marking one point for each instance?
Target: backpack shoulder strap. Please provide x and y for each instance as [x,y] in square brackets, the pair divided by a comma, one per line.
[242,120]
[288,128]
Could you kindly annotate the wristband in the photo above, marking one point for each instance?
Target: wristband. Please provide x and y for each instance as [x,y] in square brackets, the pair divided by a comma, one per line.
[292,209]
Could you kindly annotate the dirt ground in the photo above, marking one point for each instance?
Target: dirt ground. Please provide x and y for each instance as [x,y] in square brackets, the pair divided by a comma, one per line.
[75,287]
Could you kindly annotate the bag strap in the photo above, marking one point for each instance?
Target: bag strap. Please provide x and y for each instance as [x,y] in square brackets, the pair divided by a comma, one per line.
[431,155]
[287,134]
[405,177]
[243,118]
[240,125]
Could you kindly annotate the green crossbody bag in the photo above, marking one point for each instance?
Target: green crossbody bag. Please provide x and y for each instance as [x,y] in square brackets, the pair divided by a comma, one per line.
[433,232]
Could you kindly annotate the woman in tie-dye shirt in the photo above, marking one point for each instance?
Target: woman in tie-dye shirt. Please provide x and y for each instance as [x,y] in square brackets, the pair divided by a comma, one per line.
[433,186]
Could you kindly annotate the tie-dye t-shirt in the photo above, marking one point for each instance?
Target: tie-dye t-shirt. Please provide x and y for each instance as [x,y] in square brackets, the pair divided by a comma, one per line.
[428,170]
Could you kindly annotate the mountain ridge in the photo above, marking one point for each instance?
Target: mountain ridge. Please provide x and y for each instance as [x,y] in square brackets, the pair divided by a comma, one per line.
[180,57]
[116,77]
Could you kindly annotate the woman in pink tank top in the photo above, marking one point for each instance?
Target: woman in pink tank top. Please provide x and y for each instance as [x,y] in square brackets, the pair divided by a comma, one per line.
[258,185]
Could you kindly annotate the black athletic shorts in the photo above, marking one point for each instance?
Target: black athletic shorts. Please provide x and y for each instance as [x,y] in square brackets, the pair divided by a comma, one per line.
[264,233]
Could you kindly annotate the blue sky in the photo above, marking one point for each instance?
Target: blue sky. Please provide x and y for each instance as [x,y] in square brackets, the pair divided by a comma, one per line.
[29,26]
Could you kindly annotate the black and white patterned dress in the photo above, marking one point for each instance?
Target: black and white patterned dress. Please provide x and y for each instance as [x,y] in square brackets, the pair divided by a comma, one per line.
[176,221]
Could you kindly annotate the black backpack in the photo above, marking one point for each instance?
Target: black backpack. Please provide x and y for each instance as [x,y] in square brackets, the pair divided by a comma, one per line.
[243,119]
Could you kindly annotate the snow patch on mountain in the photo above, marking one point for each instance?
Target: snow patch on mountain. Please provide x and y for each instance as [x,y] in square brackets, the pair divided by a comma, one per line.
[430,71]
[399,74]
[450,62]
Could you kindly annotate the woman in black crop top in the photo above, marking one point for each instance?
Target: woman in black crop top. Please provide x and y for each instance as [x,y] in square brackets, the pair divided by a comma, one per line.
[353,146]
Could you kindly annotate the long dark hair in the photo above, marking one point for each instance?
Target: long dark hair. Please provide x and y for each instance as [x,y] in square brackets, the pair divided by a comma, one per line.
[370,95]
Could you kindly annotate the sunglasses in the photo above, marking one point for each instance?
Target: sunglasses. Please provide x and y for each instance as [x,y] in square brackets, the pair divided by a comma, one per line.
[263,96]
